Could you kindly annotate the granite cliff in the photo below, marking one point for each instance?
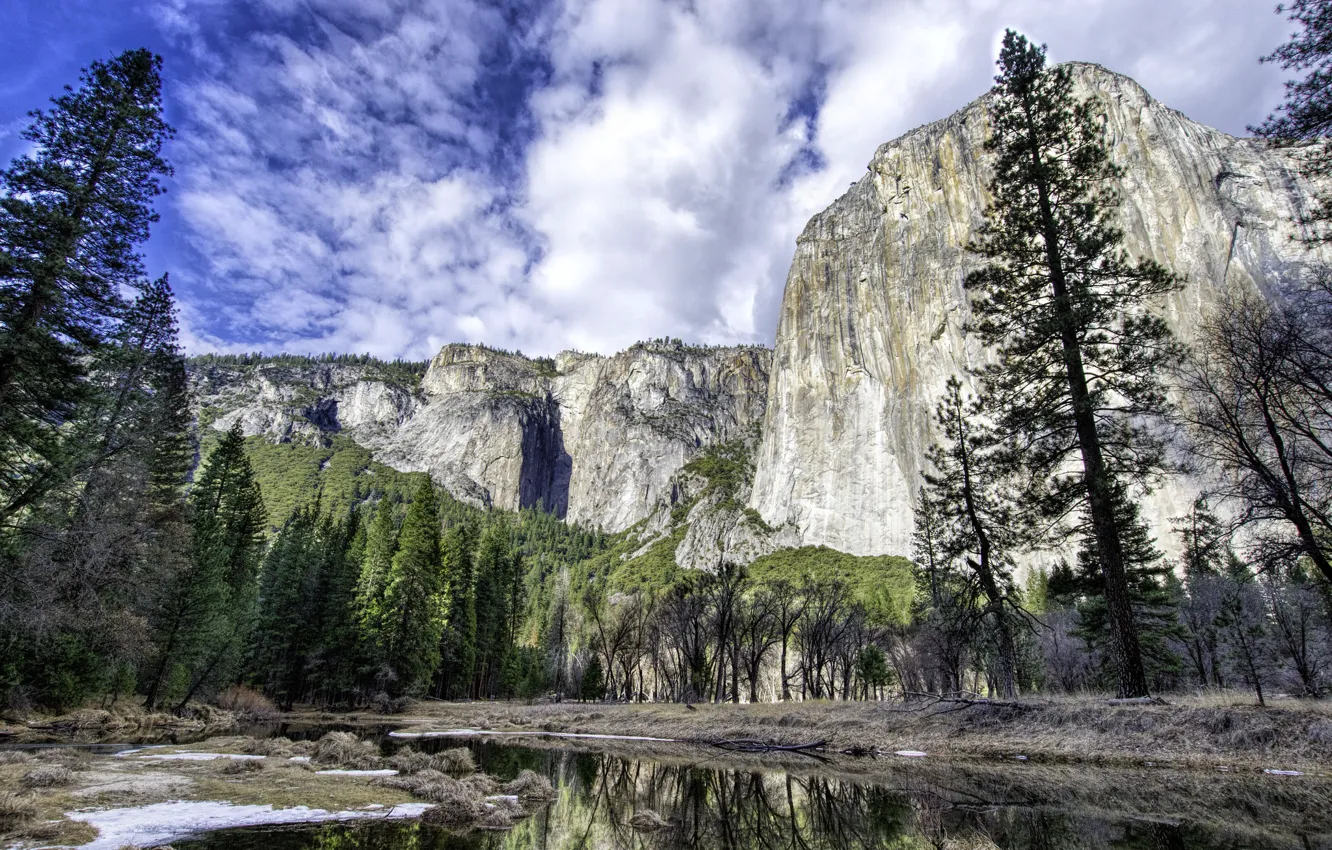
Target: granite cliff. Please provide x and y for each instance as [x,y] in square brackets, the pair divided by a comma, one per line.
[595,439]
[872,318]
[871,325]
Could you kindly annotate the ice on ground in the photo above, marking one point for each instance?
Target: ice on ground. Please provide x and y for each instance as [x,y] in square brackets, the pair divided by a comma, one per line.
[911,754]
[1283,772]
[385,772]
[300,759]
[162,822]
[198,757]
[466,733]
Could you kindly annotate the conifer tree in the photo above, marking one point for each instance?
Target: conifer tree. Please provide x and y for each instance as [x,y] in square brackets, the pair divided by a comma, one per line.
[286,617]
[1078,352]
[414,602]
[1154,593]
[205,629]
[972,519]
[381,543]
[458,642]
[1305,117]
[71,215]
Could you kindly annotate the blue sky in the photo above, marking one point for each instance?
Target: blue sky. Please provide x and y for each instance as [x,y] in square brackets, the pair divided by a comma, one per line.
[392,175]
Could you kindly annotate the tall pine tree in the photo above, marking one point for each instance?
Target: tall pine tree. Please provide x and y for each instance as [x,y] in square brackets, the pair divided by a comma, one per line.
[414,602]
[207,616]
[1067,312]
[71,215]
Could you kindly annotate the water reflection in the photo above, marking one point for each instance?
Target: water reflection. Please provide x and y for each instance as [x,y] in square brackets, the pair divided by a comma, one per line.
[706,807]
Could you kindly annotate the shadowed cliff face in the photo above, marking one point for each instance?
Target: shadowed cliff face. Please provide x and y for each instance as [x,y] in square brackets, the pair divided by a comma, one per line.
[872,316]
[596,439]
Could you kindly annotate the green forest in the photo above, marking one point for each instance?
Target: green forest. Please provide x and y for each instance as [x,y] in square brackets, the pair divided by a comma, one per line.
[145,555]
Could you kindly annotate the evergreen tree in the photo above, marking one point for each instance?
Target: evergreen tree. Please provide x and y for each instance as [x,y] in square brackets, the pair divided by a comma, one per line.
[1154,592]
[1066,310]
[209,611]
[972,518]
[497,572]
[381,543]
[594,679]
[71,215]
[286,618]
[1305,117]
[414,602]
[458,642]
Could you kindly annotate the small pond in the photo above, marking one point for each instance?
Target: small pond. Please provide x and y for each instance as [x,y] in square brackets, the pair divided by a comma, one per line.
[707,802]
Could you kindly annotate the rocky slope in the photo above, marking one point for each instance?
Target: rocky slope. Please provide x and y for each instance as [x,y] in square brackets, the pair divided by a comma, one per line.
[596,439]
[872,316]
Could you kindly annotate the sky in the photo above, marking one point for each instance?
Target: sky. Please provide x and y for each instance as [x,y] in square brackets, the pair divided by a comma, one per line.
[388,176]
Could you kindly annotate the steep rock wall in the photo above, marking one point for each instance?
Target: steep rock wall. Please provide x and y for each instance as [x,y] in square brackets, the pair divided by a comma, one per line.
[596,439]
[872,316]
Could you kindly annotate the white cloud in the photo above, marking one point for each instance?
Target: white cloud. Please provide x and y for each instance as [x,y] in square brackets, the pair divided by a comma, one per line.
[339,177]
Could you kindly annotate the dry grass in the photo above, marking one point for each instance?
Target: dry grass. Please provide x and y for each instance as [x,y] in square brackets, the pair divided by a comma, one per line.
[646,820]
[239,767]
[15,811]
[531,786]
[345,750]
[279,747]
[247,702]
[16,757]
[1203,731]
[48,776]
[411,760]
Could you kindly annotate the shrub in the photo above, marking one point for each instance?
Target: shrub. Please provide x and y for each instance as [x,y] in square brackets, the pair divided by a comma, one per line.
[247,702]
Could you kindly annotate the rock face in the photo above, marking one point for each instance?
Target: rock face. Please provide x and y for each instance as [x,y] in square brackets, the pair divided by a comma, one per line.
[596,439]
[872,316]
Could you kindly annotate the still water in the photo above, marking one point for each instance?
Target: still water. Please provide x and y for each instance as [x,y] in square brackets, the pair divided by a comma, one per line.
[708,802]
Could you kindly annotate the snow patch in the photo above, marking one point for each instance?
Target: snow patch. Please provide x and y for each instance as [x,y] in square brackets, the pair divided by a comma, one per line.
[199,757]
[384,772]
[162,822]
[466,733]
[911,754]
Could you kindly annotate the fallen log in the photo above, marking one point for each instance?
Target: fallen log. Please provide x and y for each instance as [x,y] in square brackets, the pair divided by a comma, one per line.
[749,745]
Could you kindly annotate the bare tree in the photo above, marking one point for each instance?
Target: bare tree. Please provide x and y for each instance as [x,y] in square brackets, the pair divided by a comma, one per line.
[1260,388]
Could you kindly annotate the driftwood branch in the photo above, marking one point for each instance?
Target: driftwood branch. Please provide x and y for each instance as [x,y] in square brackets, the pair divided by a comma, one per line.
[750,745]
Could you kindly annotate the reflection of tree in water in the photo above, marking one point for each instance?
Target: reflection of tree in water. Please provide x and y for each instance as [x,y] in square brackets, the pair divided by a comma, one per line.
[738,809]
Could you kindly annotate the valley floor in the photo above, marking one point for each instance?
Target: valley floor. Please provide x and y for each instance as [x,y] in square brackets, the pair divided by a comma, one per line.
[1221,732]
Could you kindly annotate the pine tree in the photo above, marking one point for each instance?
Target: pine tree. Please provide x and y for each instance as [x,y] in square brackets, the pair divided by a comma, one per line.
[1066,311]
[972,517]
[496,565]
[414,603]
[1154,592]
[381,543]
[594,679]
[286,616]
[70,217]
[458,642]
[210,608]
[1305,117]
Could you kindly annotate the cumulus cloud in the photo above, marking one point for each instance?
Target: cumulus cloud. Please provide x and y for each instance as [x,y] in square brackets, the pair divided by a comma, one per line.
[388,176]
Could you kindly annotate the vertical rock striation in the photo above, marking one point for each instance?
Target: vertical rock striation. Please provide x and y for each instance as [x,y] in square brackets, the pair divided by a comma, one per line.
[872,318]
